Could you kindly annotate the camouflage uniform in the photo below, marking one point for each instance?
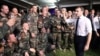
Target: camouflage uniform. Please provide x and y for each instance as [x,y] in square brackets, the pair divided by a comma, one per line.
[57,32]
[3,29]
[65,34]
[45,22]
[33,44]
[33,18]
[51,42]
[42,41]
[1,49]
[11,51]
[17,26]
[8,51]
[71,33]
[17,50]
[24,44]
[4,19]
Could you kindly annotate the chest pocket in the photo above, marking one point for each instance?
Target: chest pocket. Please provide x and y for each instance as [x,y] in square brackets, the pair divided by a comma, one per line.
[58,22]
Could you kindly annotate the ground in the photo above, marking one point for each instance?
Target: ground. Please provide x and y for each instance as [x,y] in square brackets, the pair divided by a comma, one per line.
[72,53]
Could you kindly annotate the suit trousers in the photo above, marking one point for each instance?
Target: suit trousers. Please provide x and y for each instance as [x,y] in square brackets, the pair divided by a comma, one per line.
[79,44]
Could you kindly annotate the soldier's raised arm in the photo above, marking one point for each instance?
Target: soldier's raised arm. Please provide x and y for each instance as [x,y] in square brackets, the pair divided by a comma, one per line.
[11,22]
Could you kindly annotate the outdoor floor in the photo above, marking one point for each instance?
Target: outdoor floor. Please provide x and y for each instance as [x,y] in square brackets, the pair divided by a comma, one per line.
[72,53]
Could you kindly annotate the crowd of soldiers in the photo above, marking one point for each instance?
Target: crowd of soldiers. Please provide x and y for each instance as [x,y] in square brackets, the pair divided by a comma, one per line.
[35,34]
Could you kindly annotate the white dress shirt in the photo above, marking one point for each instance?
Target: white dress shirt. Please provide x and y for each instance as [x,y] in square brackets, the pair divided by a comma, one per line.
[84,26]
[96,23]
[70,20]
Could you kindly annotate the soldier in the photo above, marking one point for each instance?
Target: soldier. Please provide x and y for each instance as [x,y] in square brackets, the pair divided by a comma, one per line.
[22,12]
[10,45]
[50,45]
[24,44]
[65,29]
[57,29]
[33,44]
[70,22]
[5,27]
[3,18]
[4,13]
[33,18]
[86,12]
[1,32]
[46,8]
[5,23]
[16,28]
[42,44]
[44,20]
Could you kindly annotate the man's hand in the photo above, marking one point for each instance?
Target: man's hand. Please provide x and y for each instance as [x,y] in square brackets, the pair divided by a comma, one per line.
[32,50]
[58,27]
[88,42]
[53,46]
[62,28]
[97,34]
[33,35]
[71,27]
[26,54]
[86,48]
[11,22]
[41,53]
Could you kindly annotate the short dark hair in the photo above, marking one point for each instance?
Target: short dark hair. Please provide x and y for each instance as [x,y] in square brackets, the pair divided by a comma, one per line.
[82,9]
[92,9]
[3,6]
[23,21]
[6,37]
[14,7]
[33,5]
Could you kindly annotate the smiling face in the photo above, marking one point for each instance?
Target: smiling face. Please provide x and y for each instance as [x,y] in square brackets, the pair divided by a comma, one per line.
[58,13]
[12,38]
[69,13]
[63,10]
[25,26]
[34,8]
[5,9]
[15,10]
[43,30]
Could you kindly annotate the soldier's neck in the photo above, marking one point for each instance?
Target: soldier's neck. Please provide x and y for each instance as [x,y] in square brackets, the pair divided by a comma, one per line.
[2,14]
[58,16]
[10,44]
[25,31]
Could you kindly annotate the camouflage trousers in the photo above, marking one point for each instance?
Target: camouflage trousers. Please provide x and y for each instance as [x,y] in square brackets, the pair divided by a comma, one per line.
[67,38]
[17,54]
[70,39]
[57,38]
[32,54]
